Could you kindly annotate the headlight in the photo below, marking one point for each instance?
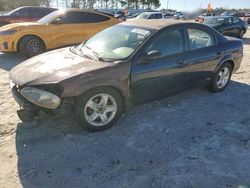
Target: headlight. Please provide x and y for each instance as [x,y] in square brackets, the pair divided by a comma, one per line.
[40,97]
[8,32]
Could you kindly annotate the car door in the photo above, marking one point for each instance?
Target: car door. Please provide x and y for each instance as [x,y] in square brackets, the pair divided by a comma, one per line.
[202,55]
[236,26]
[75,27]
[228,28]
[159,69]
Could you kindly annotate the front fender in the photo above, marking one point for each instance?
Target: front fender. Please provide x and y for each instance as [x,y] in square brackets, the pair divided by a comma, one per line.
[20,36]
[117,76]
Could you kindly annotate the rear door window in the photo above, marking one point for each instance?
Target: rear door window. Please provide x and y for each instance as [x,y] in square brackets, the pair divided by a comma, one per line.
[229,21]
[152,16]
[236,20]
[158,16]
[21,13]
[39,12]
[83,17]
[199,39]
[90,17]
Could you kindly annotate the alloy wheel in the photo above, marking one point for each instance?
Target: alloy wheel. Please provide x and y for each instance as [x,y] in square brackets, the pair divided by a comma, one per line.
[100,109]
[34,47]
[223,77]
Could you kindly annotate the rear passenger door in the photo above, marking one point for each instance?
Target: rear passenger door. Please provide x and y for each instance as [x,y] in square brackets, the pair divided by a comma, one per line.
[202,54]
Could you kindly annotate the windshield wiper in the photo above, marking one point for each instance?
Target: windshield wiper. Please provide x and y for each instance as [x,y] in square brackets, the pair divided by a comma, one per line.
[96,54]
[78,51]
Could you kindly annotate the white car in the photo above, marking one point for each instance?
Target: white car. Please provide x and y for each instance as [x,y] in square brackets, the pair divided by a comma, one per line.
[150,15]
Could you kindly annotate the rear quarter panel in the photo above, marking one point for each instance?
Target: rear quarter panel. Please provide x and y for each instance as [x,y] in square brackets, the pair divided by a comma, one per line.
[232,50]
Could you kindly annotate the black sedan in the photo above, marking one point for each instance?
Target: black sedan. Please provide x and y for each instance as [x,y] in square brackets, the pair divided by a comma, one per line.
[228,25]
[126,64]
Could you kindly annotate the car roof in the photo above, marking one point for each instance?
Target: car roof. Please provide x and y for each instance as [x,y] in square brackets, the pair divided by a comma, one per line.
[36,7]
[226,16]
[85,10]
[153,23]
[149,13]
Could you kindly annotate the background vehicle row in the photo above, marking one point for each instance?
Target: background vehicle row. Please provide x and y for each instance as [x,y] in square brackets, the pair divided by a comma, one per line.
[58,29]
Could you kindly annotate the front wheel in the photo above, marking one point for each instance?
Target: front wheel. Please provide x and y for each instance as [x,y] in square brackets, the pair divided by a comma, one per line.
[221,78]
[31,46]
[99,108]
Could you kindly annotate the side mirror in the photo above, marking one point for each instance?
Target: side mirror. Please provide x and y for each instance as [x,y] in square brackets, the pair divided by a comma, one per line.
[150,55]
[57,21]
[153,54]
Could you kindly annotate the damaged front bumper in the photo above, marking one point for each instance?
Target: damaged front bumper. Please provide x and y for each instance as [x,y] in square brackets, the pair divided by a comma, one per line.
[30,108]
[22,101]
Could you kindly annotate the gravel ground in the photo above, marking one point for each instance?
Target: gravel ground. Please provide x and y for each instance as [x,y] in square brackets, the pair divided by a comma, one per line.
[193,139]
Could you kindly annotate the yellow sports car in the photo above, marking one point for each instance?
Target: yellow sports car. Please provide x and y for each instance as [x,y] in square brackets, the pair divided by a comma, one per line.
[57,29]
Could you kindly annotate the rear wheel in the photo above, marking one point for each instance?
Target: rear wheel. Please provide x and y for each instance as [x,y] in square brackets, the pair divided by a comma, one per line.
[31,46]
[221,78]
[99,108]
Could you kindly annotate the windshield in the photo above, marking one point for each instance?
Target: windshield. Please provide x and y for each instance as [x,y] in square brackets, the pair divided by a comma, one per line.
[214,21]
[115,43]
[12,11]
[50,17]
[142,16]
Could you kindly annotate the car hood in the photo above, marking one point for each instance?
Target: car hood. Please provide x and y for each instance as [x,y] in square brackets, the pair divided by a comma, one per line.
[20,25]
[53,67]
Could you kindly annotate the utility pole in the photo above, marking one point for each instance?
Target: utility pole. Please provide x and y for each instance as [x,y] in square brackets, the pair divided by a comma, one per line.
[167,4]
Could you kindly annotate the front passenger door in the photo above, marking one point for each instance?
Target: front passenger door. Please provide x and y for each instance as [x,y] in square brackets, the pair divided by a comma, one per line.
[165,73]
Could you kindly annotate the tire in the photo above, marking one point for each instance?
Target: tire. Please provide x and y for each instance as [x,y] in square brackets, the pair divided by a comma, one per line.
[91,108]
[31,46]
[221,78]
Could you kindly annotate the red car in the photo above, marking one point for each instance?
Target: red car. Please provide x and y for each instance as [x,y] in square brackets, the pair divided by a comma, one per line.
[25,14]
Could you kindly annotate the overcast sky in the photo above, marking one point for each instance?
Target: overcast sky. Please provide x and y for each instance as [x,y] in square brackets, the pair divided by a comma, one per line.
[193,4]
